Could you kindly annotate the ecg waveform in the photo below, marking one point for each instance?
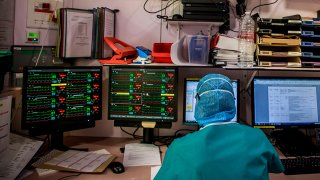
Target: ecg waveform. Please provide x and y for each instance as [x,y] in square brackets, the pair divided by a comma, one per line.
[58,95]
[142,93]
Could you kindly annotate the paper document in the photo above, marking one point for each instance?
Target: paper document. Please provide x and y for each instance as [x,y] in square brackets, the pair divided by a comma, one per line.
[5,115]
[154,171]
[78,41]
[79,160]
[109,17]
[137,154]
[17,156]
[228,43]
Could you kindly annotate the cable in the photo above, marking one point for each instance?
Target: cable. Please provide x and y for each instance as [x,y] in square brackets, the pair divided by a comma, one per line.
[250,80]
[232,10]
[164,140]
[266,4]
[46,36]
[153,12]
[132,134]
[176,133]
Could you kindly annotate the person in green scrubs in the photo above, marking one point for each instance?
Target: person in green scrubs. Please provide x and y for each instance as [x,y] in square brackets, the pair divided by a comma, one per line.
[220,149]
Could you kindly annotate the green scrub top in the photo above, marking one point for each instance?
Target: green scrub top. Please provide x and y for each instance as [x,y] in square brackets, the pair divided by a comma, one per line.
[221,151]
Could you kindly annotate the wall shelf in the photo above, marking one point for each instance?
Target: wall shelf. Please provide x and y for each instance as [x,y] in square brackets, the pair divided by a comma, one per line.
[179,23]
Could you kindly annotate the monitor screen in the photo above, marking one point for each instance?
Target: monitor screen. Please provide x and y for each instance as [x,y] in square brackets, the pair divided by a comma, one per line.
[61,99]
[147,93]
[190,87]
[286,102]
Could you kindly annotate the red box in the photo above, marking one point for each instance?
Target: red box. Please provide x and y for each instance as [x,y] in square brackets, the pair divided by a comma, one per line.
[161,52]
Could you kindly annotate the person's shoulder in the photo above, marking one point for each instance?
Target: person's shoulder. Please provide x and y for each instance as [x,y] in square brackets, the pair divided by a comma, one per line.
[185,140]
[251,130]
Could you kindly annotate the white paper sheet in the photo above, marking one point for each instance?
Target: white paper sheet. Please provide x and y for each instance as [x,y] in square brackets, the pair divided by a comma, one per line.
[154,171]
[108,32]
[17,156]
[137,154]
[5,115]
[79,160]
[78,31]
[228,43]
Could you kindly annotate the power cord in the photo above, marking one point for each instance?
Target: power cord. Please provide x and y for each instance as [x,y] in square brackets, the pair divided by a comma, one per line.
[178,134]
[46,36]
[153,12]
[132,134]
[266,4]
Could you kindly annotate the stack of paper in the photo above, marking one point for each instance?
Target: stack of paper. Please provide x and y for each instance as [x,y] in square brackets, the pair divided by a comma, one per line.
[226,51]
[20,151]
[5,115]
[76,161]
[137,154]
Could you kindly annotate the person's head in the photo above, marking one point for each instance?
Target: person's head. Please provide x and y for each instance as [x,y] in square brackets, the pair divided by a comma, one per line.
[214,100]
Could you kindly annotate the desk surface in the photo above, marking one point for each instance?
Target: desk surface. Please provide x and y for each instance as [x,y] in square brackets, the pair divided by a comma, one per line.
[113,145]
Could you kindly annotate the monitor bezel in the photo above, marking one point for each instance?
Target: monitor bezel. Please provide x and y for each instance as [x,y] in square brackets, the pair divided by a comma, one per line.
[268,126]
[120,120]
[187,123]
[61,126]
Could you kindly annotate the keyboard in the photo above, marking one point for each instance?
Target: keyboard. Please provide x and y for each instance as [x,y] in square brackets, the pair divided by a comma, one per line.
[301,165]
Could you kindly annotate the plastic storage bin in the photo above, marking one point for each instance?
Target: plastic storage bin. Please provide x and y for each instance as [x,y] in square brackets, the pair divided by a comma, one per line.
[198,49]
[161,52]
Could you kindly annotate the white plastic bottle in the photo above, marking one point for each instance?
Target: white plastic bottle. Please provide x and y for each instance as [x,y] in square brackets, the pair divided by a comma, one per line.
[246,44]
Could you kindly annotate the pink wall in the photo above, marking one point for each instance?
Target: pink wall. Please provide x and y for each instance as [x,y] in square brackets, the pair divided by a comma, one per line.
[136,27]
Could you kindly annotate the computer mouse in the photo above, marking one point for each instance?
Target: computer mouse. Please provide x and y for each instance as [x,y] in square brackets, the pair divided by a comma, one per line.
[116,167]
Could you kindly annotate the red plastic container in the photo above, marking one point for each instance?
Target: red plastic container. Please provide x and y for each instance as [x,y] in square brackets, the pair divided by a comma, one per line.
[161,52]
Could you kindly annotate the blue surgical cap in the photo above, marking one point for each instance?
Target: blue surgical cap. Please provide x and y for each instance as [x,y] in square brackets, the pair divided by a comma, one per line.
[214,100]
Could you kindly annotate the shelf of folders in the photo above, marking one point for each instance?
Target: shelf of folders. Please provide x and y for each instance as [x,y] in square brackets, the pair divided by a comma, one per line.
[310,42]
[278,42]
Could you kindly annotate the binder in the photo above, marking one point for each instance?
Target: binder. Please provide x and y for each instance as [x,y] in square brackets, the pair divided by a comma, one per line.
[75,33]
[82,32]
[104,27]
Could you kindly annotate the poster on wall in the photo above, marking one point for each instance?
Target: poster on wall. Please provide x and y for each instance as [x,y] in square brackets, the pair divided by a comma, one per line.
[41,13]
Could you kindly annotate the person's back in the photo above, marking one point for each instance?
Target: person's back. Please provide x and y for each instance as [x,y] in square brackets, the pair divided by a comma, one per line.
[221,149]
[226,151]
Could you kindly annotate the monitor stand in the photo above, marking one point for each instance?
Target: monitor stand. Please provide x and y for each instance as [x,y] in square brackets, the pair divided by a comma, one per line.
[57,142]
[292,142]
[148,128]
[148,135]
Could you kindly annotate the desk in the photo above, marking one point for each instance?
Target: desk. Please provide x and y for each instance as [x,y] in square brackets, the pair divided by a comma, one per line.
[132,173]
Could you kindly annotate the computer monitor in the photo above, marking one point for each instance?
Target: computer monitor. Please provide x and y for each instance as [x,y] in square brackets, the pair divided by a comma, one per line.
[286,102]
[59,99]
[190,87]
[141,95]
